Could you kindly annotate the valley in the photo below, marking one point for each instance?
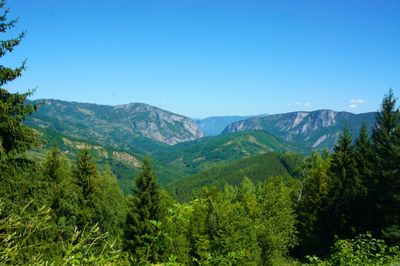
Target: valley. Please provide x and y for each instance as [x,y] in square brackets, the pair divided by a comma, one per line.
[122,136]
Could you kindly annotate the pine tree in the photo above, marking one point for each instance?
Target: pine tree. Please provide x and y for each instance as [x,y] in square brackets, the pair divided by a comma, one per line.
[386,139]
[17,172]
[141,227]
[64,193]
[364,157]
[84,175]
[85,170]
[346,186]
[15,138]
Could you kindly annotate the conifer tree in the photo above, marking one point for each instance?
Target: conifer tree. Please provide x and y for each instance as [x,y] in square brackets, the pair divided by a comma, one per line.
[84,175]
[64,193]
[141,227]
[85,170]
[16,170]
[346,186]
[386,140]
[15,138]
[364,157]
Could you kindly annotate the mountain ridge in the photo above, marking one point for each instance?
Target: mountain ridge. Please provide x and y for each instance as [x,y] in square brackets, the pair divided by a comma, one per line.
[133,120]
[315,129]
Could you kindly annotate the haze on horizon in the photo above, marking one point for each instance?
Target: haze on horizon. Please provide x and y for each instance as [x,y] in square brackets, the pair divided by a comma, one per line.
[210,58]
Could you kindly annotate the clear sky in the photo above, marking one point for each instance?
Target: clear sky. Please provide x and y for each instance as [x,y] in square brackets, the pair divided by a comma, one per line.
[211,57]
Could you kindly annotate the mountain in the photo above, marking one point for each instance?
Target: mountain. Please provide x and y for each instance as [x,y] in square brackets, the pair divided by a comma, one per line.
[257,168]
[315,130]
[201,154]
[212,126]
[136,126]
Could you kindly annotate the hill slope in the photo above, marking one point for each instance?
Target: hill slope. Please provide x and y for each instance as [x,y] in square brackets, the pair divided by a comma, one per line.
[126,127]
[315,130]
[201,154]
[124,165]
[256,168]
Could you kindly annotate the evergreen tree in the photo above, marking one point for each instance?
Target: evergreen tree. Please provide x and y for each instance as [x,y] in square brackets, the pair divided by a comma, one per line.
[15,138]
[64,193]
[364,157]
[311,207]
[84,175]
[141,228]
[85,171]
[386,139]
[346,187]
[17,172]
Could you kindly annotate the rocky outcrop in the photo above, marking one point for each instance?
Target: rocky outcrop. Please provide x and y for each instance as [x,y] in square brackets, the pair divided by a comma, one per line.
[116,126]
[317,129]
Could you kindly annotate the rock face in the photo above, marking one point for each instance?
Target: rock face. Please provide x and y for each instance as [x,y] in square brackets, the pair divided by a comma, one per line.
[317,129]
[158,124]
[116,126]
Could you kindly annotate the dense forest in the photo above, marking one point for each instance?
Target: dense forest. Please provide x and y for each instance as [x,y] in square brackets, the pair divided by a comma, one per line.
[330,208]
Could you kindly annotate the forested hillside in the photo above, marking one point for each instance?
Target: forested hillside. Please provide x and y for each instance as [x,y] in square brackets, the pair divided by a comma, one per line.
[65,207]
[314,130]
[257,169]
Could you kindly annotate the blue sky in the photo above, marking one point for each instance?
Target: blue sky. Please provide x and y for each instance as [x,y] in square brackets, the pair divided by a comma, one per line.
[211,57]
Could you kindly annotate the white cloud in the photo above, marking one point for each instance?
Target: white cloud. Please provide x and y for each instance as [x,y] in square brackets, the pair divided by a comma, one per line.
[298,103]
[354,103]
[307,104]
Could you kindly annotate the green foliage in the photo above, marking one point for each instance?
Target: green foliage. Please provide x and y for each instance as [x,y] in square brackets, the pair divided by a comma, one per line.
[176,228]
[276,220]
[346,187]
[22,243]
[361,250]
[107,203]
[142,229]
[15,138]
[386,142]
[63,193]
[311,205]
[257,168]
[20,236]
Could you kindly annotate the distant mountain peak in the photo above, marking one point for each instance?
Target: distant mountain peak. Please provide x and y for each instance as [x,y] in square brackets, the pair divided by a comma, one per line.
[315,129]
[125,122]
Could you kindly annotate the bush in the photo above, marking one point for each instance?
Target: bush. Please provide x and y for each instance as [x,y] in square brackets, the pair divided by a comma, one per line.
[362,250]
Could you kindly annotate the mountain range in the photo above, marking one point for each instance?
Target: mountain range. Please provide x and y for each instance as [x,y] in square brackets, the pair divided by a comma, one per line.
[314,130]
[123,135]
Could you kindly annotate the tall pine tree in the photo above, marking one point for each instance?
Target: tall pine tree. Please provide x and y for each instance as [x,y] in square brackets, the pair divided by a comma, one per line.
[141,227]
[64,193]
[346,186]
[16,170]
[386,139]
[84,174]
[364,157]
[15,138]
